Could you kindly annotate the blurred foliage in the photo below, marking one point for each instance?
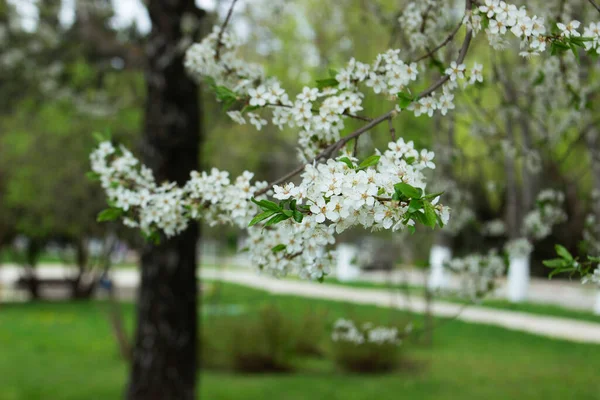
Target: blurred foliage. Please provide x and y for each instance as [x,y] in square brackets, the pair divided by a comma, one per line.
[61,83]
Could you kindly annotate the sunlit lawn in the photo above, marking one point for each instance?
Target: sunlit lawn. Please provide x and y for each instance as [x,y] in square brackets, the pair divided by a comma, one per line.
[65,351]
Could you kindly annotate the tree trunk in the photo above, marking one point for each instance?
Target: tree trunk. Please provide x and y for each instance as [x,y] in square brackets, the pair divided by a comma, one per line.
[164,357]
[593,144]
[83,285]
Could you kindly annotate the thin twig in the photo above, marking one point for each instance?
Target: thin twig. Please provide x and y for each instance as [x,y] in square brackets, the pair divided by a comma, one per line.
[596,6]
[392,129]
[444,43]
[337,146]
[444,79]
[355,151]
[424,19]
[225,23]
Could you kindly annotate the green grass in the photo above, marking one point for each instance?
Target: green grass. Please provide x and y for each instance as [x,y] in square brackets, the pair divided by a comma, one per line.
[529,307]
[64,351]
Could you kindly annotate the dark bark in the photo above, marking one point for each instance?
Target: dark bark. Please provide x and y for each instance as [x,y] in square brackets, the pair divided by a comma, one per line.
[164,357]
[31,258]
[593,144]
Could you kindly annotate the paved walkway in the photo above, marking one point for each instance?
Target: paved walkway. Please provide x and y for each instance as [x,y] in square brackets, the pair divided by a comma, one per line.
[561,328]
[558,292]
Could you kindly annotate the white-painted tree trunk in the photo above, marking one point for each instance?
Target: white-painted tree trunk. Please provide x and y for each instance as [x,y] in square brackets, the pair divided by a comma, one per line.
[597,304]
[518,279]
[346,270]
[438,276]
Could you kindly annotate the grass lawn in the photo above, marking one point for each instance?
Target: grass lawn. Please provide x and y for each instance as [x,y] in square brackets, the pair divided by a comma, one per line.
[64,351]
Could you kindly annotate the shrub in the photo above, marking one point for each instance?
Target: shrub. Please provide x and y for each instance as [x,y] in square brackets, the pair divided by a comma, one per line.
[253,343]
[365,347]
[309,333]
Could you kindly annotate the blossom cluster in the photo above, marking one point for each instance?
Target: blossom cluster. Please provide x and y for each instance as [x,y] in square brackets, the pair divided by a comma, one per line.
[538,223]
[135,196]
[499,18]
[422,21]
[340,194]
[478,273]
[520,247]
[317,112]
[591,230]
[593,278]
[493,228]
[347,331]
[330,198]
[591,233]
[345,194]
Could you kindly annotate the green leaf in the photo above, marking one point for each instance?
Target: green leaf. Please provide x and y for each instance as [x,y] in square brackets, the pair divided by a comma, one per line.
[266,205]
[563,252]
[415,205]
[539,79]
[408,190]
[560,271]
[485,21]
[110,214]
[298,216]
[347,161]
[210,81]
[430,215]
[558,47]
[419,216]
[324,83]
[278,248]
[224,93]
[92,176]
[575,53]
[411,229]
[277,219]
[555,263]
[432,196]
[99,137]
[249,109]
[369,162]
[404,99]
[153,237]
[261,217]
[437,64]
[332,73]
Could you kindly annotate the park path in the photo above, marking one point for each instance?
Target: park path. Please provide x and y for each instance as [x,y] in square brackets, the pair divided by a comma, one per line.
[559,292]
[559,328]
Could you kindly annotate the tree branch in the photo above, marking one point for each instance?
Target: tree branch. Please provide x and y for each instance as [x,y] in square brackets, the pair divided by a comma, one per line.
[596,6]
[225,23]
[392,130]
[335,147]
[448,39]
